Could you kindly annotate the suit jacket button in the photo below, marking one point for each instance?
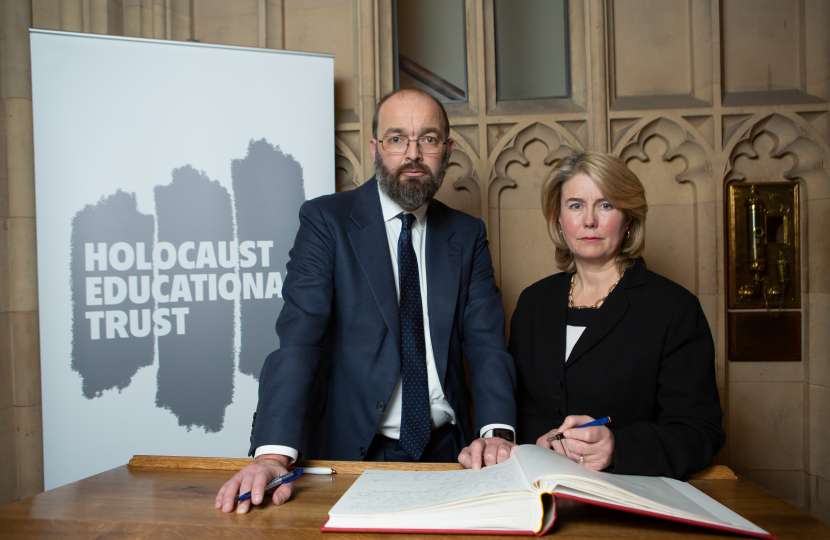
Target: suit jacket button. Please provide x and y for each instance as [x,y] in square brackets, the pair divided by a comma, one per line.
[361,451]
[560,384]
[381,406]
[560,412]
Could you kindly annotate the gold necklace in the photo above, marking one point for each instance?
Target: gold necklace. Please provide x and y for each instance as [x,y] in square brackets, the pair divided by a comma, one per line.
[596,304]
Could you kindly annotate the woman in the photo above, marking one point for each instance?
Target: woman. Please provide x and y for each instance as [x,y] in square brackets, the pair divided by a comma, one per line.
[606,337]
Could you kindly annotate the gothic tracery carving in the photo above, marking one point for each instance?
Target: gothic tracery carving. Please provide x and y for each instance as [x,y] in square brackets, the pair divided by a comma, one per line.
[789,139]
[345,165]
[558,144]
[679,143]
[461,166]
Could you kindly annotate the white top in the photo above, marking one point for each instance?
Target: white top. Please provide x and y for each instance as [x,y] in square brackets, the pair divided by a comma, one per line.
[572,335]
[440,410]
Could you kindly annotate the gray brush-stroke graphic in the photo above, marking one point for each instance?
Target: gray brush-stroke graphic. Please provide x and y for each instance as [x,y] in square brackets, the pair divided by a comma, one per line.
[268,192]
[195,377]
[108,363]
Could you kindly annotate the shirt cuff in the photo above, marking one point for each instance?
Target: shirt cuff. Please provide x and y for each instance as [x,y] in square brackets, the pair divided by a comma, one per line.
[287,451]
[487,431]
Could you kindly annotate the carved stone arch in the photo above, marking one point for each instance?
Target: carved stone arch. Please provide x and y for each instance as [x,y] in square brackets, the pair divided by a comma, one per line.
[678,216]
[462,173]
[776,147]
[345,165]
[559,143]
[778,136]
[462,164]
[790,138]
[679,143]
[462,144]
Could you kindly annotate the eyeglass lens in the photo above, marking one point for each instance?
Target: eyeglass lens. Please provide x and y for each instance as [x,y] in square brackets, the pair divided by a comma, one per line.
[396,144]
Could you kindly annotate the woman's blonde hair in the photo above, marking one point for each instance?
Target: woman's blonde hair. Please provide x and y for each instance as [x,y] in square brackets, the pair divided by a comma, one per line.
[619,186]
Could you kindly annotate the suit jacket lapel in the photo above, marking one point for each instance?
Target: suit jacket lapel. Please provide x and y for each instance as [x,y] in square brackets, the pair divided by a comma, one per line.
[611,312]
[443,264]
[371,249]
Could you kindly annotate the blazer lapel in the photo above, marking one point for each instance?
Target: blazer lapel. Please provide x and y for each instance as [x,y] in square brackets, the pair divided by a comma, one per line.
[371,249]
[443,264]
[611,312]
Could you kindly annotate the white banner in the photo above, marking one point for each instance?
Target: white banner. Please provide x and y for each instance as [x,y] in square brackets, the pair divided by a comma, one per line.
[169,178]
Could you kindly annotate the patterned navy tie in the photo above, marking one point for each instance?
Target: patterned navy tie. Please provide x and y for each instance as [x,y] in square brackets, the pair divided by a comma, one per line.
[415,414]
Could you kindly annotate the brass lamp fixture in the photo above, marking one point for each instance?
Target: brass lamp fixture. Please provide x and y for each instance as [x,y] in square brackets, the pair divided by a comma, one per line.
[763,226]
[755,243]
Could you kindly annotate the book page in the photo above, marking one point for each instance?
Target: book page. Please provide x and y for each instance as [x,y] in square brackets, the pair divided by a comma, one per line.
[393,491]
[714,507]
[537,462]
[547,469]
[544,466]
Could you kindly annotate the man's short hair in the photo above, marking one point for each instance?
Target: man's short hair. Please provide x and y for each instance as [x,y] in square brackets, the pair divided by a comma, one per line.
[410,89]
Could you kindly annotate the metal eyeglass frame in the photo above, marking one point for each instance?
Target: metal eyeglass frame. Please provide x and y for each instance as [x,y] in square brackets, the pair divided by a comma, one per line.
[408,140]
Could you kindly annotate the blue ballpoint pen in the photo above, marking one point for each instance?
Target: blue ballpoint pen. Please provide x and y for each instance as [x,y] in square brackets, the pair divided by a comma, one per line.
[600,422]
[284,479]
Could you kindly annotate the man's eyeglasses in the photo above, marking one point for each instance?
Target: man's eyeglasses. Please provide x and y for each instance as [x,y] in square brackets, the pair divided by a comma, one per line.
[397,144]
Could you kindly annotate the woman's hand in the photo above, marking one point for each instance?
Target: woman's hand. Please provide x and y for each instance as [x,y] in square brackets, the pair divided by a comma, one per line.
[592,447]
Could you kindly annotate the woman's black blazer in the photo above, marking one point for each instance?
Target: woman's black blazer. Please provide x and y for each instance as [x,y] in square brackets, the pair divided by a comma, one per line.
[648,361]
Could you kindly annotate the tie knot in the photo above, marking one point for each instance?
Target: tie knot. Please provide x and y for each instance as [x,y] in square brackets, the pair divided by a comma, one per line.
[408,220]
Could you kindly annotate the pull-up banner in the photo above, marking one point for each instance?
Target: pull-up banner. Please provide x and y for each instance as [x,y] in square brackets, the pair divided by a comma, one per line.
[169,177]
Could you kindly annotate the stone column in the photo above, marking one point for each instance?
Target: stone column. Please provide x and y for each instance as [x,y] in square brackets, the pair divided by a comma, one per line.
[368,99]
[597,83]
[21,433]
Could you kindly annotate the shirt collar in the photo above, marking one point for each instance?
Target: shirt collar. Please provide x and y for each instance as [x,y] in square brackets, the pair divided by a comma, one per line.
[391,209]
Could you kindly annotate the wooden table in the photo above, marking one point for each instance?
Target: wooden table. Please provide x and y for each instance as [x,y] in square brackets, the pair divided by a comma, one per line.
[159,497]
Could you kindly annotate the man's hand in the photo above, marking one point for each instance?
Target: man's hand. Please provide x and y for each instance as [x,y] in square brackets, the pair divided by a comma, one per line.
[592,447]
[490,451]
[253,478]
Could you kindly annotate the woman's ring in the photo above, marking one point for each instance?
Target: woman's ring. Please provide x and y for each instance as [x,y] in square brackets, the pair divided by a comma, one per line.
[582,459]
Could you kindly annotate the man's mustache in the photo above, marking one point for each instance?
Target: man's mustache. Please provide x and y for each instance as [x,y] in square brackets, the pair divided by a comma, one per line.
[414,166]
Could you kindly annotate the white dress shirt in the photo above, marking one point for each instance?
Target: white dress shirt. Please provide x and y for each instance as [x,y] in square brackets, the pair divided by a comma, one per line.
[439,407]
[440,410]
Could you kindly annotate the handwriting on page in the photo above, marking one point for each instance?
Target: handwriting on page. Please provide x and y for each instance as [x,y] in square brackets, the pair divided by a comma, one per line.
[389,491]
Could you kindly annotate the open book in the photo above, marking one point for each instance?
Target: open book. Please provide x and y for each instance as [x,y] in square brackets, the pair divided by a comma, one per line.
[511,498]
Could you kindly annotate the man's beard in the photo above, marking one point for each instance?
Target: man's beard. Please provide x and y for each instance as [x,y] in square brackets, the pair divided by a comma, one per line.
[413,192]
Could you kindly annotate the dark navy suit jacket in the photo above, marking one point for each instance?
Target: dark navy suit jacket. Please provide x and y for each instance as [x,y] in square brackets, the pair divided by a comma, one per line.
[324,390]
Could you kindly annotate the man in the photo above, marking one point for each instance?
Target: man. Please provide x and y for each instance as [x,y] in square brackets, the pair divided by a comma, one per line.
[386,288]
